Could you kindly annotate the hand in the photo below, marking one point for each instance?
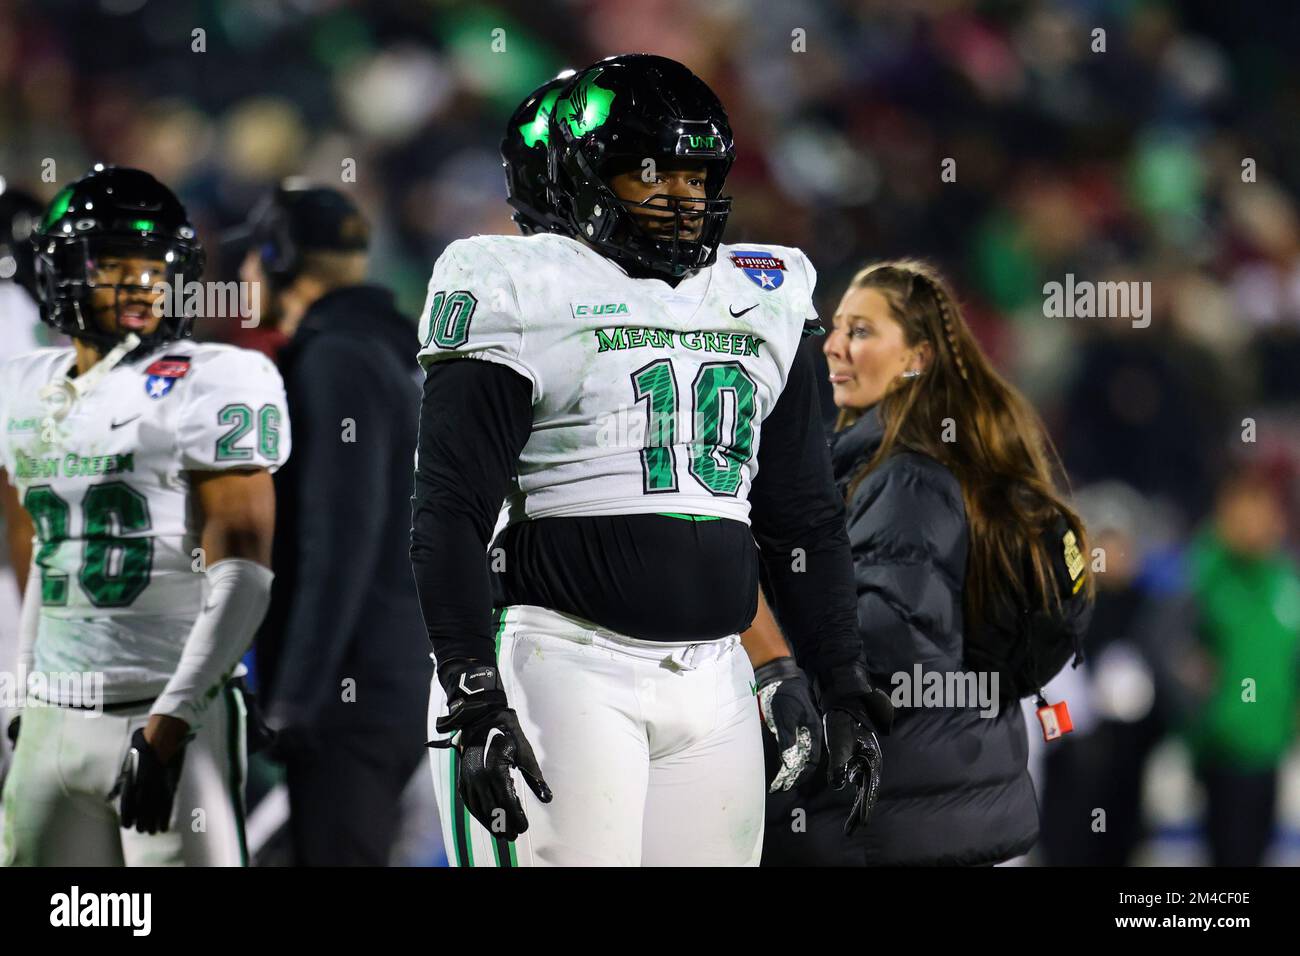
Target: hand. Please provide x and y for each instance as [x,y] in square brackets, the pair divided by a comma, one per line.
[490,743]
[786,704]
[854,712]
[147,783]
[15,723]
[166,735]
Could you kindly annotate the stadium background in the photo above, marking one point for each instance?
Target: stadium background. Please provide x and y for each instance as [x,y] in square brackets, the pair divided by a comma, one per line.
[1125,164]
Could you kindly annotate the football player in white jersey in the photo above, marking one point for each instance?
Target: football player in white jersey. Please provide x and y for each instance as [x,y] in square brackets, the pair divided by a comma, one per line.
[613,388]
[785,698]
[143,459]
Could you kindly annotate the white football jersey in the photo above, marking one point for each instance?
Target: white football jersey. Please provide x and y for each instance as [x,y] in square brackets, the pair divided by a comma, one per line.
[108,489]
[646,398]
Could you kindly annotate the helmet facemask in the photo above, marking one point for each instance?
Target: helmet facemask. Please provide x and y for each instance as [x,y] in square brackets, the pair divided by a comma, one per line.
[71,269]
[620,228]
[613,118]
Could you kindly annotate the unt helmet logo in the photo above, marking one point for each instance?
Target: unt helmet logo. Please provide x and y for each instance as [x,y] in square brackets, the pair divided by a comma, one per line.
[587,105]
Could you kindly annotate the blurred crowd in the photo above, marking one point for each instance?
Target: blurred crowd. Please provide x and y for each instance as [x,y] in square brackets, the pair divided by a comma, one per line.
[1135,140]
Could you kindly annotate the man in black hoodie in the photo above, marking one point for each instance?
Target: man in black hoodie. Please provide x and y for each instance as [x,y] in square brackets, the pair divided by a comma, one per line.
[342,659]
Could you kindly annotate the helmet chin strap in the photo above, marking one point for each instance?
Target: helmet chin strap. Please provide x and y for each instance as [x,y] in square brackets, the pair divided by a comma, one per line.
[61,394]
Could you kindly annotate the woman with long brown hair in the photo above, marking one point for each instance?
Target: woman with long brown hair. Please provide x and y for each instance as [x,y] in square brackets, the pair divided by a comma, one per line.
[971,586]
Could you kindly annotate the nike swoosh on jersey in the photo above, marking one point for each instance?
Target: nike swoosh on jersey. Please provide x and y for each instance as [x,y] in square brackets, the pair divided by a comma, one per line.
[113,425]
[736,315]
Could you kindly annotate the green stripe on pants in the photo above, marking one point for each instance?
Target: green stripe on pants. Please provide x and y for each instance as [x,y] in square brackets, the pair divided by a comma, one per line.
[235,723]
[460,837]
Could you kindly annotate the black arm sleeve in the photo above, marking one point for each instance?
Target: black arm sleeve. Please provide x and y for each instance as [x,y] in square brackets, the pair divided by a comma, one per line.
[475,418]
[795,505]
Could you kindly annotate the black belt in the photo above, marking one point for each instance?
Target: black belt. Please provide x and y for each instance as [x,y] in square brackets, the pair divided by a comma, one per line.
[134,704]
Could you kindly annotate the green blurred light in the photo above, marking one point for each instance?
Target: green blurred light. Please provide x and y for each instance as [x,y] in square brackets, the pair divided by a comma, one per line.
[504,77]
[1167,177]
[341,38]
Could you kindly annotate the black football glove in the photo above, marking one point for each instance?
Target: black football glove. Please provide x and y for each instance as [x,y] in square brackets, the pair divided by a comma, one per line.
[854,712]
[490,743]
[147,786]
[15,724]
[785,700]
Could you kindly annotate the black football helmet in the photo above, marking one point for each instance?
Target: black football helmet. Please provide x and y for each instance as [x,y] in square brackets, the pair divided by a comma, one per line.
[523,155]
[20,213]
[111,212]
[610,118]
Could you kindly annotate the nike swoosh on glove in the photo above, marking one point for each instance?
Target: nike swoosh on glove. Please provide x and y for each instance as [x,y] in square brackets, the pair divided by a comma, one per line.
[147,786]
[854,712]
[785,701]
[490,744]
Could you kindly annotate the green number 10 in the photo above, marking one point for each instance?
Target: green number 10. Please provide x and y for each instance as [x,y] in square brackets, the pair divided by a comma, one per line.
[723,408]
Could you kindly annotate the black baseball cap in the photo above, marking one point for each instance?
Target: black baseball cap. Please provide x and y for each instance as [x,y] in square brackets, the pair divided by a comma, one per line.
[300,217]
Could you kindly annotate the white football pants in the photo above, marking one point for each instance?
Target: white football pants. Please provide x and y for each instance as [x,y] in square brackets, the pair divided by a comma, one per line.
[652,751]
[57,810]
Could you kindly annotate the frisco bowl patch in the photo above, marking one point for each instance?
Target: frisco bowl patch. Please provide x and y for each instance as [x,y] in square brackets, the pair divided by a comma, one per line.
[162,374]
[764,270]
[169,366]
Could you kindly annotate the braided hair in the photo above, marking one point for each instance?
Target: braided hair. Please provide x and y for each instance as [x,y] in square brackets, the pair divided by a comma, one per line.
[962,413]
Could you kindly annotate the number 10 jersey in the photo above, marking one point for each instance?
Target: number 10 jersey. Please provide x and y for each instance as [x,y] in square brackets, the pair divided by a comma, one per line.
[646,398]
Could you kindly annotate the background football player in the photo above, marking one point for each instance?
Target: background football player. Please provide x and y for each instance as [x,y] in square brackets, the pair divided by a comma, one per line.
[620,385]
[143,460]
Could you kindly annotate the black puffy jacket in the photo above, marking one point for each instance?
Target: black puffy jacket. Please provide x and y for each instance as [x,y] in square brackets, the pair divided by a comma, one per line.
[956,788]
